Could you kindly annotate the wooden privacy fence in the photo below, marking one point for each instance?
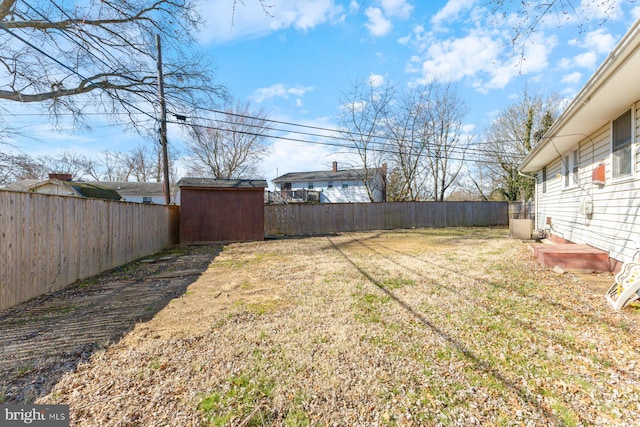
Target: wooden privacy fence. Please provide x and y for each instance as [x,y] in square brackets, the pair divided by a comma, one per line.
[48,242]
[305,219]
[522,210]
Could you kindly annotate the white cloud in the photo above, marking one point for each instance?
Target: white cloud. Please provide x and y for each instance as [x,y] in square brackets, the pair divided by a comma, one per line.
[376,80]
[397,8]
[451,11]
[479,56]
[599,41]
[404,40]
[456,58]
[223,23]
[600,10]
[377,25]
[572,78]
[595,43]
[379,17]
[565,63]
[585,60]
[279,90]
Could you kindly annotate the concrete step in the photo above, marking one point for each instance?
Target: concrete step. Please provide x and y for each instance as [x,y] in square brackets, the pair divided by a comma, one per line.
[572,257]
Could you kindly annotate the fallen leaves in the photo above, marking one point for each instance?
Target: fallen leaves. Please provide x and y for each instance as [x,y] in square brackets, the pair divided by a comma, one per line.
[407,327]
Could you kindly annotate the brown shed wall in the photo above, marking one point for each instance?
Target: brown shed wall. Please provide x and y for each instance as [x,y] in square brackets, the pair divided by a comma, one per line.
[221,215]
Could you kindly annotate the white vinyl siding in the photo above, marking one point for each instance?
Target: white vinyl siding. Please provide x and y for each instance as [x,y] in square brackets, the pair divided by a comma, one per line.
[616,204]
[354,192]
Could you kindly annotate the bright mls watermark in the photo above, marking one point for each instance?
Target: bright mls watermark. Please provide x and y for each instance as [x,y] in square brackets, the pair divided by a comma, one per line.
[34,415]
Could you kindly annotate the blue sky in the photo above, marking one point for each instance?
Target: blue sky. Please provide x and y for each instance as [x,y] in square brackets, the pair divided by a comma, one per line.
[296,62]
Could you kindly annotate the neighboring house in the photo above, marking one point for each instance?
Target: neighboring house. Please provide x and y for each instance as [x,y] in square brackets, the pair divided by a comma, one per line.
[140,192]
[73,188]
[334,186]
[137,192]
[588,165]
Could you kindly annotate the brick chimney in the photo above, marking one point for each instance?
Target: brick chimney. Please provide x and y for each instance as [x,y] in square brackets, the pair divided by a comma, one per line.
[61,176]
[335,166]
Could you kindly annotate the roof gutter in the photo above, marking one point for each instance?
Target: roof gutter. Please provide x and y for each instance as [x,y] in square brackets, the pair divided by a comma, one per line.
[625,46]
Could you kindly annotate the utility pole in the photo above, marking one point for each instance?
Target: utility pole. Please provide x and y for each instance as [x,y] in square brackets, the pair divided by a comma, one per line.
[163,126]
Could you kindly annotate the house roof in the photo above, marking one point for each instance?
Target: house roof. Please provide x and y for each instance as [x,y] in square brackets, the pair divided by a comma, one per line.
[222,183]
[23,185]
[346,174]
[135,188]
[83,189]
[610,92]
[124,188]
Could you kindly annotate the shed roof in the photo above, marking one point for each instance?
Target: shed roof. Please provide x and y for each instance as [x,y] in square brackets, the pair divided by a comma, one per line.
[611,91]
[223,183]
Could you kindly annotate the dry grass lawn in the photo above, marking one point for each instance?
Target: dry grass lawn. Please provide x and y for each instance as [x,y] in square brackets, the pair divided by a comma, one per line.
[408,327]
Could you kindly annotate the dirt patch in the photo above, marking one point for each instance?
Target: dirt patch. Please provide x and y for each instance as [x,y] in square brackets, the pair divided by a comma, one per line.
[48,336]
[413,327]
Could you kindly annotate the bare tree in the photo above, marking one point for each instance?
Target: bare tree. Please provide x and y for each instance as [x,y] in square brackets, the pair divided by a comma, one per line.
[427,142]
[58,53]
[111,166]
[526,17]
[406,148]
[73,163]
[444,137]
[510,137]
[230,146]
[362,121]
[144,164]
[17,167]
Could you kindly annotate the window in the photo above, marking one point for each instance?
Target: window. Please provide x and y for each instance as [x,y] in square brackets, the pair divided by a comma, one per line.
[544,179]
[310,185]
[570,165]
[345,184]
[146,199]
[330,184]
[621,139]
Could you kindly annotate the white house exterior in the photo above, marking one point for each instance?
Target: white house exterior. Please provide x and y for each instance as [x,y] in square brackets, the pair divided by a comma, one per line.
[587,167]
[136,192]
[335,186]
[141,192]
[67,188]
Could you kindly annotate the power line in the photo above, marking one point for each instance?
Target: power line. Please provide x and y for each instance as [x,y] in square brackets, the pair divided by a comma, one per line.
[375,138]
[97,42]
[65,66]
[337,131]
[331,144]
[3,27]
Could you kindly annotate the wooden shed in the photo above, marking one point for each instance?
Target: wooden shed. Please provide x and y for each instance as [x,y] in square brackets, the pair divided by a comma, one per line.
[221,210]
